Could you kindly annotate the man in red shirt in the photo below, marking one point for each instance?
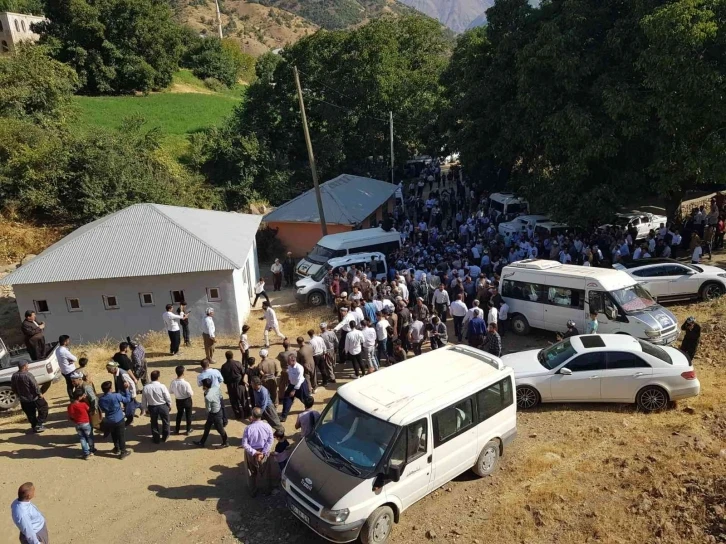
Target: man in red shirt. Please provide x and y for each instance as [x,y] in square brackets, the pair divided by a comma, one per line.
[78,414]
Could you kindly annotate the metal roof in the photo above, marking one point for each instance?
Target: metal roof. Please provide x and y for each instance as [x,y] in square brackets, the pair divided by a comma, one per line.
[145,240]
[347,200]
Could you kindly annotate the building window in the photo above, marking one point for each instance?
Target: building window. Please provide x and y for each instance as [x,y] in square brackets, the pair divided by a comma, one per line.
[23,25]
[146,299]
[177,297]
[110,302]
[213,294]
[5,47]
[17,25]
[74,304]
[41,306]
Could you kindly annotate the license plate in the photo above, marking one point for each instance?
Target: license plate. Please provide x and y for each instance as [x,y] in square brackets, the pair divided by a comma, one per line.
[299,513]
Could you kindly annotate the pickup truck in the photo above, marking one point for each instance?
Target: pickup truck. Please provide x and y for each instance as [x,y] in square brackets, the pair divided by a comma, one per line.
[643,222]
[46,372]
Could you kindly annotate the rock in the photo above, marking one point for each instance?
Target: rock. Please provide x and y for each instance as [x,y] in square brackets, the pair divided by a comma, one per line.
[533,435]
[722,453]
[652,459]
[430,534]
[689,410]
[455,532]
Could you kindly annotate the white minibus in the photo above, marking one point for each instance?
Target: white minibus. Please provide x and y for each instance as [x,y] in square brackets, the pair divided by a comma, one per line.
[391,438]
[507,204]
[343,243]
[546,295]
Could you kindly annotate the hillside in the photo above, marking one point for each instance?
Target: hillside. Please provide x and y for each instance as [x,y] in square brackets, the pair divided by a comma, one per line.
[458,15]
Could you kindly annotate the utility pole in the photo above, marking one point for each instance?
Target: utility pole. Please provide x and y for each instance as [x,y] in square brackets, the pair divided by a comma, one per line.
[390,117]
[311,157]
[219,19]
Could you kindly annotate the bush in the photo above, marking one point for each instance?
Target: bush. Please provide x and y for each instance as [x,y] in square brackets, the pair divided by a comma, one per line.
[269,246]
[215,85]
[219,59]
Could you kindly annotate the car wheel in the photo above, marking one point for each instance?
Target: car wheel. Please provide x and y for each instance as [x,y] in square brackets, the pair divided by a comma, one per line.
[44,388]
[712,290]
[652,399]
[8,398]
[488,459]
[377,528]
[316,298]
[527,397]
[520,325]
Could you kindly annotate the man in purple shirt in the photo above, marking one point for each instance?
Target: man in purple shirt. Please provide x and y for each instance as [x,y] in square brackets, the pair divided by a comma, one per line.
[257,442]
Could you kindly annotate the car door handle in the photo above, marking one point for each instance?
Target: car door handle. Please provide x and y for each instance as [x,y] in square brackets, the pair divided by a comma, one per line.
[594,377]
[431,458]
[638,374]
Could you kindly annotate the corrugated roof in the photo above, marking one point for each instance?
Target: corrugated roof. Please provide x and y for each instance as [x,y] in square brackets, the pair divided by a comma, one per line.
[145,240]
[347,200]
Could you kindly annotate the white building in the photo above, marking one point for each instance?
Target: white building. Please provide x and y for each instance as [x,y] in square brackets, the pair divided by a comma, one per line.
[113,277]
[16,28]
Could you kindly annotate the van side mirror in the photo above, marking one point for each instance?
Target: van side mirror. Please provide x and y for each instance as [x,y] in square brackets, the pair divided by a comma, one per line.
[394,472]
[565,372]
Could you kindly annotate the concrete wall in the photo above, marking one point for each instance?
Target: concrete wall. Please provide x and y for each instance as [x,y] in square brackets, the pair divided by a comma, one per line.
[94,322]
[301,237]
[15,28]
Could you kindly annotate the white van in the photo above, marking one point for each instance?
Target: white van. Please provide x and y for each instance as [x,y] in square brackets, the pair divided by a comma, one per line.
[389,439]
[507,204]
[547,294]
[521,224]
[311,289]
[343,243]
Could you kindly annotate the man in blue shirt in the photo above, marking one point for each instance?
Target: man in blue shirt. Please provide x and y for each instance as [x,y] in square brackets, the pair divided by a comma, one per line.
[27,517]
[215,376]
[477,330]
[111,405]
[264,403]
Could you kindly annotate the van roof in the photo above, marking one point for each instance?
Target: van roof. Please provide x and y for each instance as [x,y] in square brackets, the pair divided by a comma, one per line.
[334,241]
[355,257]
[609,278]
[506,198]
[402,393]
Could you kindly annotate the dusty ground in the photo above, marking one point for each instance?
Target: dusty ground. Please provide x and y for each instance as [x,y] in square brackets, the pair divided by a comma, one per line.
[576,474]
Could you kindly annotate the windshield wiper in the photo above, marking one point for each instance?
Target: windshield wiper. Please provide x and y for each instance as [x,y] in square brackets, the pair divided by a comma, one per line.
[340,456]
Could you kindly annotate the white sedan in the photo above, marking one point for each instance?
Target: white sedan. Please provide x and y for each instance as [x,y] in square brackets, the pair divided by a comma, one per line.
[603,368]
[668,279]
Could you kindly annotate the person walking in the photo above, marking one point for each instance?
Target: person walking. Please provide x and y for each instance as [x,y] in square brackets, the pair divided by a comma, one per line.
[182,311]
[66,362]
[25,386]
[354,349]
[111,404]
[441,302]
[591,324]
[138,361]
[276,270]
[271,324]
[260,292]
[263,401]
[183,393]
[27,518]
[244,344]
[288,270]
[368,351]
[297,387]
[156,400]
[33,334]
[171,323]
[318,347]
[257,441]
[78,413]
[208,334]
[270,371]
[458,311]
[331,350]
[477,329]
[493,342]
[689,344]
[215,413]
[233,374]
[122,381]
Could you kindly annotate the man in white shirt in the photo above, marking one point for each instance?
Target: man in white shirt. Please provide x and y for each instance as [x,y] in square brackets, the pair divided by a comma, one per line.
[492,315]
[296,389]
[368,353]
[271,323]
[417,334]
[183,393]
[441,302]
[502,322]
[458,311]
[171,323]
[66,362]
[353,349]
[318,346]
[260,292]
[382,337]
[155,400]
[208,335]
[697,253]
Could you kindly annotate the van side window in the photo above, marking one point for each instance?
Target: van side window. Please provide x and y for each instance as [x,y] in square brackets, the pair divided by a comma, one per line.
[569,298]
[494,399]
[520,290]
[383,247]
[412,443]
[453,421]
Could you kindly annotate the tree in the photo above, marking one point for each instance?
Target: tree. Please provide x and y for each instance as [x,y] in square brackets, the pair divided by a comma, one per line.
[219,59]
[115,46]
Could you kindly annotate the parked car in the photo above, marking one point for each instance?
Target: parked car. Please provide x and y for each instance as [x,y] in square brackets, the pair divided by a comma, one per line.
[46,372]
[385,442]
[603,368]
[668,279]
[643,222]
[521,223]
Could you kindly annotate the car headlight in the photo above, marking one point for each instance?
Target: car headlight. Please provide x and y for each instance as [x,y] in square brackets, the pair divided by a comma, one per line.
[652,334]
[335,516]
[283,481]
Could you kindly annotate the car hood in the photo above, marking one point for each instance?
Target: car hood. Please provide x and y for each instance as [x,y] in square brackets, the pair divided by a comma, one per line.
[307,268]
[305,282]
[525,363]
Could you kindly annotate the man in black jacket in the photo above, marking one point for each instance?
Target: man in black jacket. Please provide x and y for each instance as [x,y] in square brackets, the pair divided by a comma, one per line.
[233,373]
[288,270]
[689,344]
[34,405]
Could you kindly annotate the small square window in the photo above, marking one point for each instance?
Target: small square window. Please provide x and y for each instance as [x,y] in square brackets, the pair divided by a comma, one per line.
[146,299]
[213,294]
[177,297]
[74,304]
[41,306]
[110,302]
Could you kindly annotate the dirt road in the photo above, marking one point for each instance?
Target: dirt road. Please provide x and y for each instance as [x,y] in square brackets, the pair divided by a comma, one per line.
[575,474]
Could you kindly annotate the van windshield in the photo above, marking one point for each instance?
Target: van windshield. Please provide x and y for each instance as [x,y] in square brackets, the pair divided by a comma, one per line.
[349,439]
[320,254]
[634,298]
[320,274]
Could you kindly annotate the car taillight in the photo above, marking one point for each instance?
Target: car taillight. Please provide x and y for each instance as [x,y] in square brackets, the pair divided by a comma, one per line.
[49,368]
[690,375]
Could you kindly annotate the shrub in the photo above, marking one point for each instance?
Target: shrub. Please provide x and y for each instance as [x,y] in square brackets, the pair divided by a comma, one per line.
[215,85]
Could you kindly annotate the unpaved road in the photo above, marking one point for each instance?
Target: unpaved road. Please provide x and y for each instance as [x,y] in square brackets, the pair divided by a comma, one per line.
[575,474]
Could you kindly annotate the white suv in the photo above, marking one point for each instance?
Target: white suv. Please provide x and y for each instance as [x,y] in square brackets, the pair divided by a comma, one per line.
[668,279]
